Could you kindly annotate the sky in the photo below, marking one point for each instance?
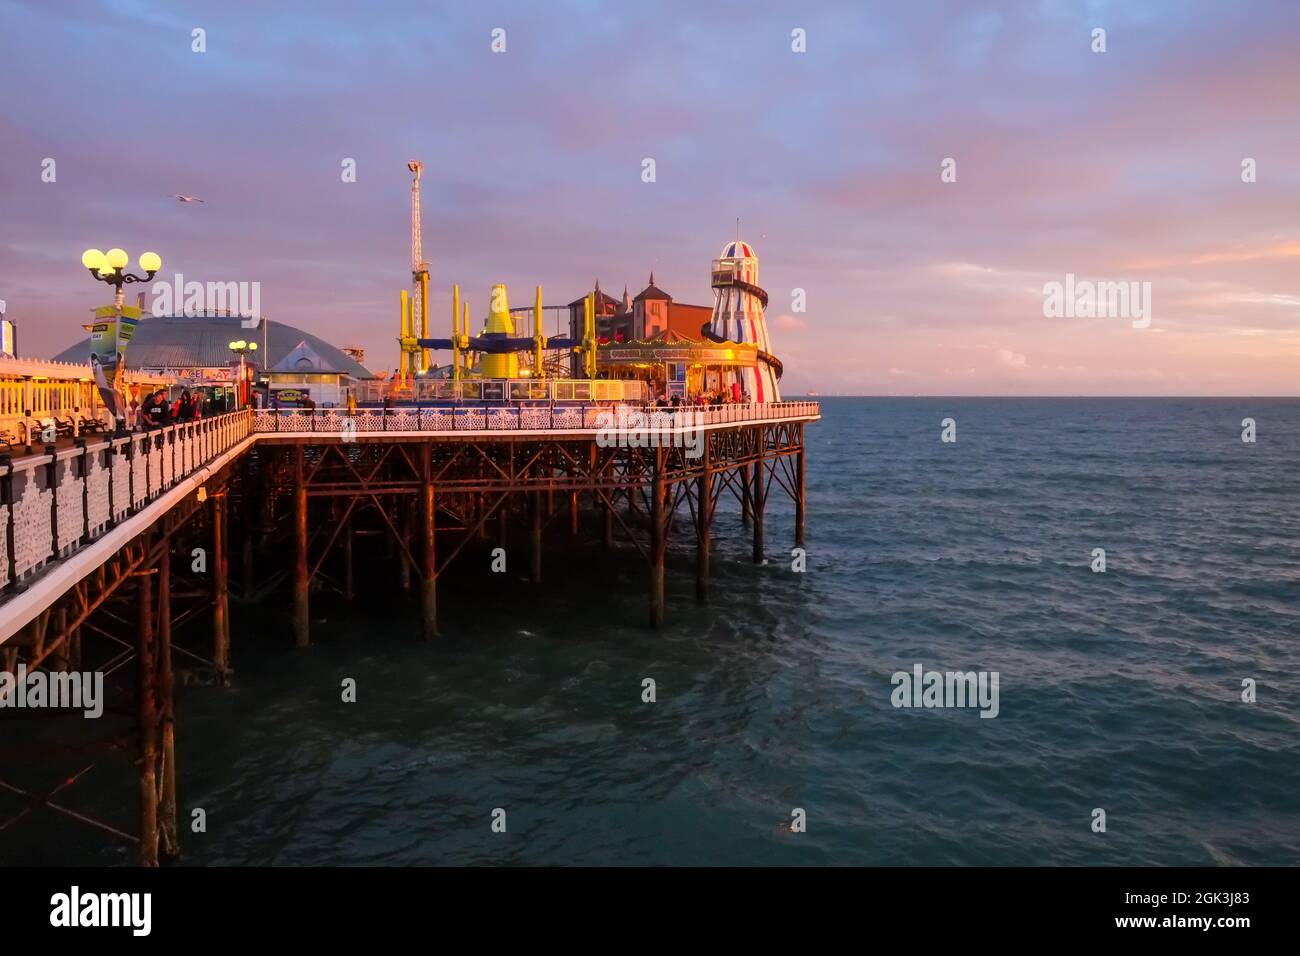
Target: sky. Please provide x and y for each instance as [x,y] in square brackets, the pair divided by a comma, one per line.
[1116,166]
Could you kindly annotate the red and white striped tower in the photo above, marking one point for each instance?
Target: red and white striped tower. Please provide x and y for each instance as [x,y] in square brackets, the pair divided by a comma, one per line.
[738,305]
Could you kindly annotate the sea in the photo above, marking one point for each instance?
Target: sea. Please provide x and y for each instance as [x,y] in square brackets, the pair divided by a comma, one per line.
[1147,713]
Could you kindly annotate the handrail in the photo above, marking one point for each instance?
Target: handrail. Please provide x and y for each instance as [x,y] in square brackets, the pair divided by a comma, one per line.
[540,417]
[55,502]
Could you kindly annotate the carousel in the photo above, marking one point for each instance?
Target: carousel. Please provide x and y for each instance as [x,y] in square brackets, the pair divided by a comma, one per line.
[675,366]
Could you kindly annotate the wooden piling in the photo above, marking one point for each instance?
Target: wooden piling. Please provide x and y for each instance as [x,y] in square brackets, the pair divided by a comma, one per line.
[301,582]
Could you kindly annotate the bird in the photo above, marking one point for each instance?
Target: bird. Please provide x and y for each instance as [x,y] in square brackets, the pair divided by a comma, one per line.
[181,198]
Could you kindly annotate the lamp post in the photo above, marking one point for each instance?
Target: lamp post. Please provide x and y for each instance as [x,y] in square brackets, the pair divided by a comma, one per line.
[108,267]
[241,348]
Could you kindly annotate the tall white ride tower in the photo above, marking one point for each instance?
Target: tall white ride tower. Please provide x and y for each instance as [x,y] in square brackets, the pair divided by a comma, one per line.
[738,303]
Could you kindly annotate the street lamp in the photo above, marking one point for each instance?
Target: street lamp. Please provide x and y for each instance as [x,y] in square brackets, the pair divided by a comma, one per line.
[241,348]
[108,267]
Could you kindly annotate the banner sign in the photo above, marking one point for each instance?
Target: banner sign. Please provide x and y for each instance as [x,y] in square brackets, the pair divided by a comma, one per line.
[705,354]
[291,396]
[109,336]
[204,375]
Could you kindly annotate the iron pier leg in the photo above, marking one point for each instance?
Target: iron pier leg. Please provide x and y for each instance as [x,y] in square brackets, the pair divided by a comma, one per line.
[608,534]
[535,533]
[404,529]
[657,542]
[220,590]
[301,619]
[800,492]
[349,589]
[758,496]
[171,847]
[429,516]
[704,517]
[503,524]
[746,496]
[148,717]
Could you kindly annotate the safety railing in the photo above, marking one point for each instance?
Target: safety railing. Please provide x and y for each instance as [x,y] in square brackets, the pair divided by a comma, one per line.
[548,417]
[56,502]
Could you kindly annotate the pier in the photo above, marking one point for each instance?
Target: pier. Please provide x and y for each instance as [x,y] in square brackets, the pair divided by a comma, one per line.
[112,542]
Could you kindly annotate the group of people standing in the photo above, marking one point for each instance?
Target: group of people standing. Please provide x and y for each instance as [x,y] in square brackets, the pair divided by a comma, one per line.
[157,412]
[722,395]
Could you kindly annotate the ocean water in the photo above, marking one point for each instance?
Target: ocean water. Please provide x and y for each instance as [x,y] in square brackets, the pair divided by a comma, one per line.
[1118,690]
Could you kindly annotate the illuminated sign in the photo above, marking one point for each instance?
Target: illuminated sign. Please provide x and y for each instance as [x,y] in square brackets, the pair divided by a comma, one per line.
[291,396]
[713,356]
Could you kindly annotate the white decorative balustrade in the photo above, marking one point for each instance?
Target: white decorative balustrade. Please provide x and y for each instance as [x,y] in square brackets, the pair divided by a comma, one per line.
[491,418]
[52,504]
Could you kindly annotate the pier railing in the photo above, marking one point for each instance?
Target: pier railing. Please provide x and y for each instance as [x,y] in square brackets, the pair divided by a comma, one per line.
[53,503]
[546,417]
[502,390]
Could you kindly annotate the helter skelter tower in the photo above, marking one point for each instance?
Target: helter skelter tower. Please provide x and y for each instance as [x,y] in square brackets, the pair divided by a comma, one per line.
[738,306]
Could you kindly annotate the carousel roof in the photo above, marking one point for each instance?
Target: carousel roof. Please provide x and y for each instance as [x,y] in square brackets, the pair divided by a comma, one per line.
[668,345]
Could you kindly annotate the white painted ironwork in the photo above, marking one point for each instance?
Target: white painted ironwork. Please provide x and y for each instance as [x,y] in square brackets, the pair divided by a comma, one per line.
[529,418]
[54,503]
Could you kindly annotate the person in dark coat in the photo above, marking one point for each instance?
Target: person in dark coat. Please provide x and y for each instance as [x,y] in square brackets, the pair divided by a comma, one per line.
[186,407]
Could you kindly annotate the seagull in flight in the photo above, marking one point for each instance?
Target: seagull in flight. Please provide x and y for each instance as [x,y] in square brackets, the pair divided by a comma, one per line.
[182,198]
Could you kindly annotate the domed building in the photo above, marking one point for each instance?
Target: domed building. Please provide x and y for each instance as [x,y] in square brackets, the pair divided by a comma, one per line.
[196,349]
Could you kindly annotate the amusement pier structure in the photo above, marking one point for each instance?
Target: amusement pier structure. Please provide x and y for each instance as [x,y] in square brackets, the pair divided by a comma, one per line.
[115,543]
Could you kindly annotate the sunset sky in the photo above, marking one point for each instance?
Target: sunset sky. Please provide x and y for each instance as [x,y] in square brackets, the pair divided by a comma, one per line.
[1124,165]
